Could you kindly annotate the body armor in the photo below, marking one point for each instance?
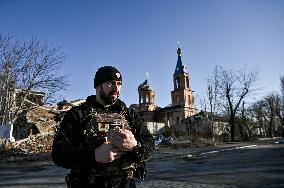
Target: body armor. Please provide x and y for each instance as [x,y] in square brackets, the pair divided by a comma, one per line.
[95,134]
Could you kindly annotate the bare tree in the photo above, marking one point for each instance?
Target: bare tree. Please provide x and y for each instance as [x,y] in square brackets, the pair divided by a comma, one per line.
[258,113]
[279,112]
[280,106]
[271,113]
[233,88]
[212,94]
[249,119]
[282,85]
[26,67]
[243,123]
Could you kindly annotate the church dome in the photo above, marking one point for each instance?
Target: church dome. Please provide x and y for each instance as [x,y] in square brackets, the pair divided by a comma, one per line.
[144,86]
[179,51]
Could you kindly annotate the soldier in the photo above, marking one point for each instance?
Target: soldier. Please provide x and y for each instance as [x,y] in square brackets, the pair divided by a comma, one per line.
[102,141]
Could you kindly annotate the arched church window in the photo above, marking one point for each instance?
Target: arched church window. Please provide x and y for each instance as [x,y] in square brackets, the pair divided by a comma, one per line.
[187,82]
[152,99]
[147,98]
[177,80]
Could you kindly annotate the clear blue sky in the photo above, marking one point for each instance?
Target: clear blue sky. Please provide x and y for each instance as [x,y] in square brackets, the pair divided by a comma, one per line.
[141,36]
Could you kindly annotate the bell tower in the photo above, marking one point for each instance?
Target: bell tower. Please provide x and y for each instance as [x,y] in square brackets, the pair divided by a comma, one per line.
[182,95]
[146,97]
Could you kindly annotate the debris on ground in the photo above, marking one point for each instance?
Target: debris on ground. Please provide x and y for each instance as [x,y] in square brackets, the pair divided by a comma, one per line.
[33,148]
[176,143]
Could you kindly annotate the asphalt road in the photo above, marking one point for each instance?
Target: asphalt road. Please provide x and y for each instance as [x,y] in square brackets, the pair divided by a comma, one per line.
[236,165]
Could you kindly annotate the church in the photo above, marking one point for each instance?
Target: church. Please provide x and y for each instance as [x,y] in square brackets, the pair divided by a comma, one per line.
[182,105]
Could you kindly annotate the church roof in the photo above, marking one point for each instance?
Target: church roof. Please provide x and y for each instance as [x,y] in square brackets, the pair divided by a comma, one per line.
[144,86]
[180,67]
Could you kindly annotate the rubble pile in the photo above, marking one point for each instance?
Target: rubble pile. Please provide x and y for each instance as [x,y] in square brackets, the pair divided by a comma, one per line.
[33,144]
[33,148]
[44,118]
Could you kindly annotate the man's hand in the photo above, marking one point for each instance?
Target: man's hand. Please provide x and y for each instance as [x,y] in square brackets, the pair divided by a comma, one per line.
[122,139]
[106,153]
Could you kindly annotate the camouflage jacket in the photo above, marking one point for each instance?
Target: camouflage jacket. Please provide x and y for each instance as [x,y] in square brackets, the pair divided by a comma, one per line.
[74,148]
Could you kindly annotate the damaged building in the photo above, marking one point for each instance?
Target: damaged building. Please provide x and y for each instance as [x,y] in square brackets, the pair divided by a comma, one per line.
[33,130]
[24,101]
[38,120]
[41,119]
